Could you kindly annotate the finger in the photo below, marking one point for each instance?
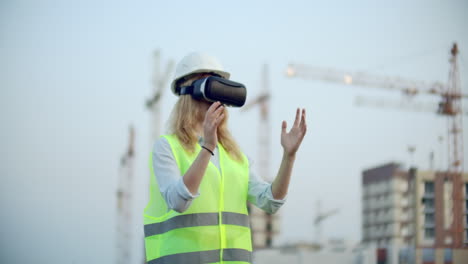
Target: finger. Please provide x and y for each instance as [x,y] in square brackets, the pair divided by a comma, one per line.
[213,107]
[219,109]
[219,119]
[217,112]
[212,113]
[296,121]
[283,127]
[303,119]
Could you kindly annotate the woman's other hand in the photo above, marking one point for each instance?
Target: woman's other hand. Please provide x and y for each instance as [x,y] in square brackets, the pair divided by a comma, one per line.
[292,140]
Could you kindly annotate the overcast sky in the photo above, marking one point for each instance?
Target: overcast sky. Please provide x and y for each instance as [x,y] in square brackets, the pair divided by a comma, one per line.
[74,75]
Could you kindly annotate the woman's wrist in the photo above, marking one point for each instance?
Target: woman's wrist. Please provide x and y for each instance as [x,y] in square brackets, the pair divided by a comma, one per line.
[209,150]
[291,156]
[210,146]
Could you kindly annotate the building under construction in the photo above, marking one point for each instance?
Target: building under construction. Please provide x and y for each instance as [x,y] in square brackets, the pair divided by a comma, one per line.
[415,216]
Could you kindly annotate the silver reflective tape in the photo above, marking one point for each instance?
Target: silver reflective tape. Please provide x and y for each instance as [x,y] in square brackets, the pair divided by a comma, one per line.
[210,256]
[235,219]
[198,257]
[237,254]
[191,220]
[181,221]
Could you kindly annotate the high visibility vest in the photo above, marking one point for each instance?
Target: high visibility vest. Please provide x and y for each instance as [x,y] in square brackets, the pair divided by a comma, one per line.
[215,228]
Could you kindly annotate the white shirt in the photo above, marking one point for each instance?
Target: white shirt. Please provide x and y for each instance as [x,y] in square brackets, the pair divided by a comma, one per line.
[179,198]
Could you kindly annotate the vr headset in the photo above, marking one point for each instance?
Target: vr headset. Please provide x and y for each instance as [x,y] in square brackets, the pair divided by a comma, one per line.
[214,89]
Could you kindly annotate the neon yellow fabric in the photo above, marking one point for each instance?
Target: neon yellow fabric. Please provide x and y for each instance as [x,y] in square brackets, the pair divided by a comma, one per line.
[220,192]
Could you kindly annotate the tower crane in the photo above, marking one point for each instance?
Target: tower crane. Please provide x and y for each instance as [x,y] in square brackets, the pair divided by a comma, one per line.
[321,216]
[125,202]
[450,105]
[159,80]
[263,101]
[263,225]
[450,95]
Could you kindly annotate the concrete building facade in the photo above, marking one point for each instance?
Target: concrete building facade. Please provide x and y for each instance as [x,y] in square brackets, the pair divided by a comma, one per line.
[417,216]
[264,227]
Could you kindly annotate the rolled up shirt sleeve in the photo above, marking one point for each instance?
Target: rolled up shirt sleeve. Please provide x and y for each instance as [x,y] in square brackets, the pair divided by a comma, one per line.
[171,184]
[260,194]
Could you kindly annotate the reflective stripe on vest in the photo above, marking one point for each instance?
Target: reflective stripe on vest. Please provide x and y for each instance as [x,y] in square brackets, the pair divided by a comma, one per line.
[215,227]
[200,219]
[210,256]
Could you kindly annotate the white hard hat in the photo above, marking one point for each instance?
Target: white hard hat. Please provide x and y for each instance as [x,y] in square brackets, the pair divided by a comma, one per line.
[197,62]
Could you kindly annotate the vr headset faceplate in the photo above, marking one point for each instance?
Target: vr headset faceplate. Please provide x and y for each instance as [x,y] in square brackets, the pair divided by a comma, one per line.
[214,89]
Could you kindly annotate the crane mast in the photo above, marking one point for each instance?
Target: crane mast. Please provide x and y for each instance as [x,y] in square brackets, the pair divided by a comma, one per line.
[451,106]
[125,202]
[159,80]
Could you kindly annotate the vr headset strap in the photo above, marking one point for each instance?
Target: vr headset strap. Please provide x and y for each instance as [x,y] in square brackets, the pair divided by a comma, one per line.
[186,90]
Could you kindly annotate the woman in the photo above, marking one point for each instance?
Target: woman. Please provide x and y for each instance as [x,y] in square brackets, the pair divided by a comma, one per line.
[201,180]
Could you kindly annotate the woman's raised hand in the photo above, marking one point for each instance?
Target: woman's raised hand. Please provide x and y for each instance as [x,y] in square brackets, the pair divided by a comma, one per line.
[292,140]
[213,117]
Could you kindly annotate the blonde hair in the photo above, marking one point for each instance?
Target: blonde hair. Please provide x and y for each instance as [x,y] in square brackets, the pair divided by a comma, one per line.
[187,114]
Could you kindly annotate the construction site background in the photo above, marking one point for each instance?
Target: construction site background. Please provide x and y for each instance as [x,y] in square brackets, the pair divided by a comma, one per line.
[75,76]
